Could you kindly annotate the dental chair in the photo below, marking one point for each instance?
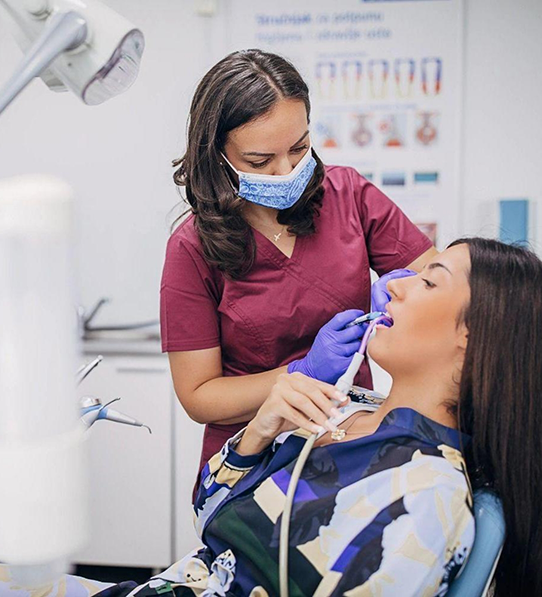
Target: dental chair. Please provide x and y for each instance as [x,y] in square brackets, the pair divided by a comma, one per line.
[475,578]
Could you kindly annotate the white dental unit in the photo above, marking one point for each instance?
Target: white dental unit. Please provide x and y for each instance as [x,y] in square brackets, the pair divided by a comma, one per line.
[86,47]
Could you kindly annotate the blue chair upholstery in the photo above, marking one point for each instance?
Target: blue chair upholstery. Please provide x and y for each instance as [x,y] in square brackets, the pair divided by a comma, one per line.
[476,576]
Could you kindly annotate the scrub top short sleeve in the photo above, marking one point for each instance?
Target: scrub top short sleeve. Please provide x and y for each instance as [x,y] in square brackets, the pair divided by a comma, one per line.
[392,240]
[188,302]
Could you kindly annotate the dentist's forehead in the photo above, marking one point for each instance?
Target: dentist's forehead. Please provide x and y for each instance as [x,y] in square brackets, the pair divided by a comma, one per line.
[275,131]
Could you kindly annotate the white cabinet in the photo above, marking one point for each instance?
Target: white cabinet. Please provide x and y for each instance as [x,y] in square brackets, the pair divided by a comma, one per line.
[140,484]
[130,469]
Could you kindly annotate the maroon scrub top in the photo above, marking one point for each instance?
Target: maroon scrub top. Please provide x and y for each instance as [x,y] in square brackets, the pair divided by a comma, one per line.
[271,317]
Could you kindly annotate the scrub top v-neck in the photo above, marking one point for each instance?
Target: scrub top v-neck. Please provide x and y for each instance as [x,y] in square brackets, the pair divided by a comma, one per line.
[275,245]
[272,315]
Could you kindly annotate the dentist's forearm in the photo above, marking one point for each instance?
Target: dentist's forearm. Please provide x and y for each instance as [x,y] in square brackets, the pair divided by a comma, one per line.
[229,400]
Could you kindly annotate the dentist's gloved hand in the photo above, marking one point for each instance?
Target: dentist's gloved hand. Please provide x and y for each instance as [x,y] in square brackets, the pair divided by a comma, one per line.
[332,349]
[380,296]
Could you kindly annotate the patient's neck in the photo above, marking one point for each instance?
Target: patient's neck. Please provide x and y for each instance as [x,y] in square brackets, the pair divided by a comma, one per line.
[430,395]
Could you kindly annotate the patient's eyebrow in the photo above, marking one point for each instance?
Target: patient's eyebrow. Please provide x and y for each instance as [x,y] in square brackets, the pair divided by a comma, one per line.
[435,265]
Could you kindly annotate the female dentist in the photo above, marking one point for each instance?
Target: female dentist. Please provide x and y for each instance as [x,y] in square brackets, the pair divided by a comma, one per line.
[276,245]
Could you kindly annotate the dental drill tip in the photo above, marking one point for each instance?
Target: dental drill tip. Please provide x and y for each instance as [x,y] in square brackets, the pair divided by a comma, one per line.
[368,317]
[147,427]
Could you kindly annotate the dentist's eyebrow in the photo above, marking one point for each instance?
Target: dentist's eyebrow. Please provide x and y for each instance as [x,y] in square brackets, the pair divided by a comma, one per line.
[267,155]
[435,265]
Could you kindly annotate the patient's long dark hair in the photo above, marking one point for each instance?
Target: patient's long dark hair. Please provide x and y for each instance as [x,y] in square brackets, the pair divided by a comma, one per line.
[240,88]
[500,401]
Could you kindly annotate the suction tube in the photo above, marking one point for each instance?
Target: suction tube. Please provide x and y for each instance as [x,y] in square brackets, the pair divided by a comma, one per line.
[344,384]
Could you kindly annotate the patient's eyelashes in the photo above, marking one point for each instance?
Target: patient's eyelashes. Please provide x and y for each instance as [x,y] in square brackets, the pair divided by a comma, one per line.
[429,284]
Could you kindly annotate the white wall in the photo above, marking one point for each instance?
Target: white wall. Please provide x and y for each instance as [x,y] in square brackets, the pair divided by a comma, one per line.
[502,110]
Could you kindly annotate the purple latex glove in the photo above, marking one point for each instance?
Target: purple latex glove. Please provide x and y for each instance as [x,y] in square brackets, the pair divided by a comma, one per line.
[332,349]
[380,296]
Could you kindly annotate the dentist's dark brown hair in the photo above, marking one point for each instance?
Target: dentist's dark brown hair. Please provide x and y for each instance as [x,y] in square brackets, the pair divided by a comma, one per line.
[240,88]
[500,402]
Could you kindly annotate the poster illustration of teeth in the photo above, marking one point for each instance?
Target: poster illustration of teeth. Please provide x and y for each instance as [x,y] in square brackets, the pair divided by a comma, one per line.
[385,84]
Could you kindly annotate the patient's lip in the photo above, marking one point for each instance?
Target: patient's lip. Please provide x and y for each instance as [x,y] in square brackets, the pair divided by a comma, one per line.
[386,320]
[385,324]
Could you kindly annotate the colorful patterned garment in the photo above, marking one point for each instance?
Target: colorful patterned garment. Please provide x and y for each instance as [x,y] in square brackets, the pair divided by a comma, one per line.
[385,514]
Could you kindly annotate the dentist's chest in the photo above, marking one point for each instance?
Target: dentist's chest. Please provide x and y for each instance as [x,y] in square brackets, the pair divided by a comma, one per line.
[278,308]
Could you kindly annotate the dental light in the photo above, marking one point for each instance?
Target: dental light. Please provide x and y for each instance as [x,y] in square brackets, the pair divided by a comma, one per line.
[81,45]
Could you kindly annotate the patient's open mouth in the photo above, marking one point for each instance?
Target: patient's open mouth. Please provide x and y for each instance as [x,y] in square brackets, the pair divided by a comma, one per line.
[385,321]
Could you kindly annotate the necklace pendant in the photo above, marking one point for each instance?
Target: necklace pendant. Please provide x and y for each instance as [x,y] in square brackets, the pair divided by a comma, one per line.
[338,435]
[277,236]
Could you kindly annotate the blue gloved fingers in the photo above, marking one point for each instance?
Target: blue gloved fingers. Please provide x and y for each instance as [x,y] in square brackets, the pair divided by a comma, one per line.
[347,350]
[350,334]
[341,319]
[380,296]
[295,366]
[328,357]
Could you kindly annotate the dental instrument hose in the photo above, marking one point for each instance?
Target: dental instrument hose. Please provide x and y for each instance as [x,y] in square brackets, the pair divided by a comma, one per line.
[344,384]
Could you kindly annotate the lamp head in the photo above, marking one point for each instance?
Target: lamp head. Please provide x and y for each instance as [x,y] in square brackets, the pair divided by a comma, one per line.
[104,63]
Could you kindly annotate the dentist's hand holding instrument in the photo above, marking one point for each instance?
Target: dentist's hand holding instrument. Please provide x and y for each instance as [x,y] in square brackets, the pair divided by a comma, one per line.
[339,339]
[332,348]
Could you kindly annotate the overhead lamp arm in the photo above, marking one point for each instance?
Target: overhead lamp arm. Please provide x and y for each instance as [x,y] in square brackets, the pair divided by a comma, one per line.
[81,45]
[64,31]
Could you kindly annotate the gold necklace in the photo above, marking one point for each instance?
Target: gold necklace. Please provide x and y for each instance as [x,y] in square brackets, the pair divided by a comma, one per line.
[339,434]
[276,237]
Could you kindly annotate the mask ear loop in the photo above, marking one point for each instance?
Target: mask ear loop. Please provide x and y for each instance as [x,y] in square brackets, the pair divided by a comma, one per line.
[229,174]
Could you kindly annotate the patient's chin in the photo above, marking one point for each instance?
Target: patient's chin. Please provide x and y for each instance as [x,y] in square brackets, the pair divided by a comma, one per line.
[377,353]
[383,351]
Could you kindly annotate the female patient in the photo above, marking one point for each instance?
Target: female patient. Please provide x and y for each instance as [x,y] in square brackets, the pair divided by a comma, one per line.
[384,507]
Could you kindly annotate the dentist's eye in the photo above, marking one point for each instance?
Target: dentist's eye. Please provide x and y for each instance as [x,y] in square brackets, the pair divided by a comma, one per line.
[259,164]
[428,284]
[299,149]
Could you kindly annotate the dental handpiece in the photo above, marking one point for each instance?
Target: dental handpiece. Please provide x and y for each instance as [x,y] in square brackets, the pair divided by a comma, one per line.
[368,317]
[83,371]
[92,410]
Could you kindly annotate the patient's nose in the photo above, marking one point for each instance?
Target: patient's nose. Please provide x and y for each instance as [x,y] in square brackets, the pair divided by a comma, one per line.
[396,288]
[391,287]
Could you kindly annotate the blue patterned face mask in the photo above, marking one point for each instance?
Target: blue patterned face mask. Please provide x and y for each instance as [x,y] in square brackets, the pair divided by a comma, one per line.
[277,191]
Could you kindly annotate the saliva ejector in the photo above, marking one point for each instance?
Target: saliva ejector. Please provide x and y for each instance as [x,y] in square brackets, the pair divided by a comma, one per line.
[92,408]
[344,385]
